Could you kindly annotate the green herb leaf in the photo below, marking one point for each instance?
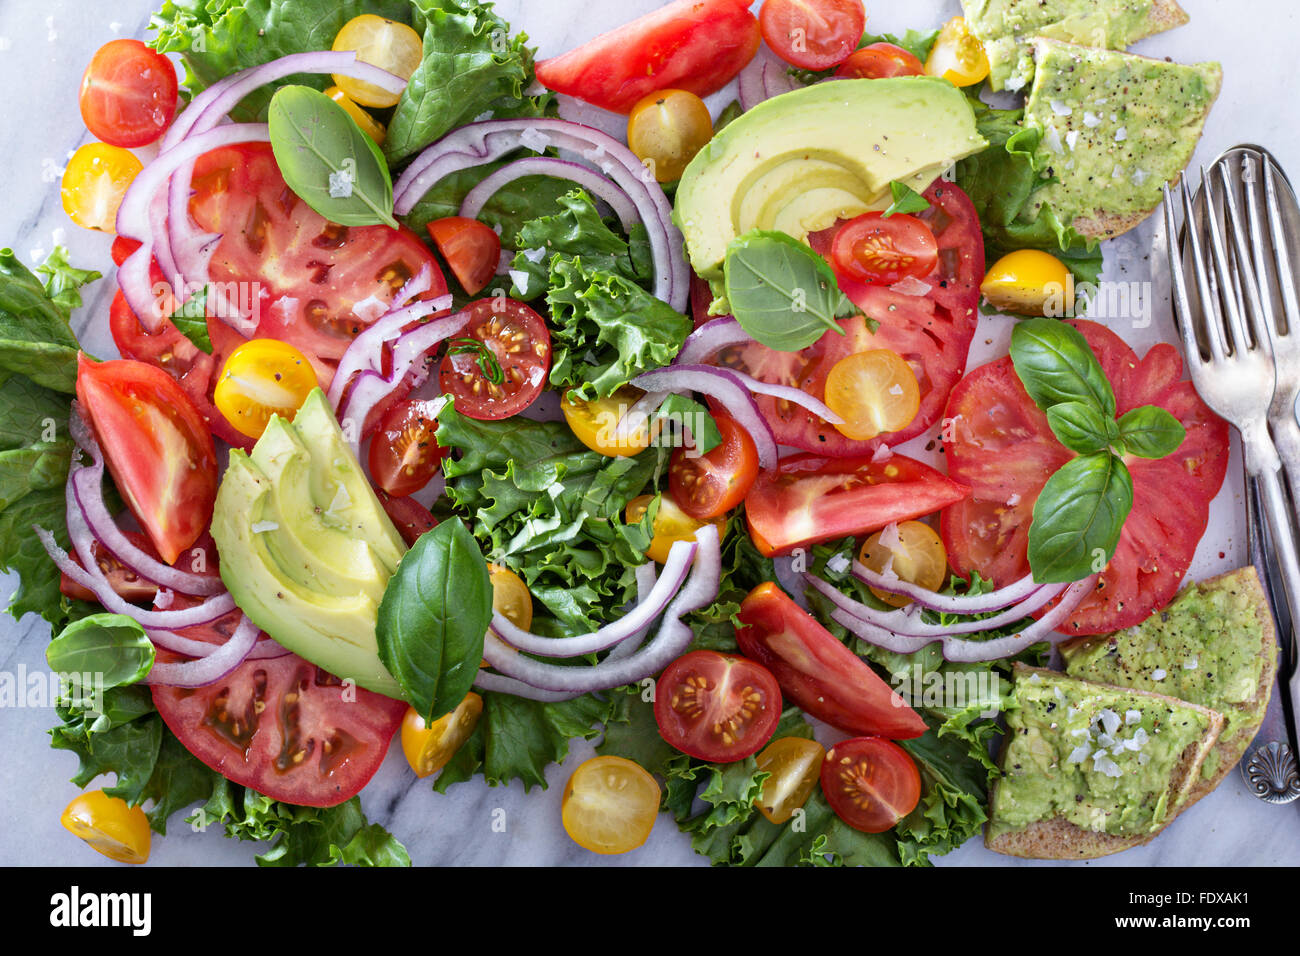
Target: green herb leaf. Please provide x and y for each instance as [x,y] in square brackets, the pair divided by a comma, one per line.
[192,320]
[1081,428]
[112,647]
[486,358]
[1150,432]
[435,612]
[1055,364]
[1078,518]
[326,159]
[781,292]
[693,416]
[906,200]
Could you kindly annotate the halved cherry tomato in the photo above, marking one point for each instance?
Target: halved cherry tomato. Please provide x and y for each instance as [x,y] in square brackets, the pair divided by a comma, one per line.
[510,596]
[125,583]
[409,517]
[812,34]
[879,60]
[157,448]
[958,56]
[795,765]
[914,552]
[498,366]
[816,671]
[717,707]
[882,251]
[471,248]
[595,423]
[384,43]
[430,747]
[109,826]
[609,805]
[404,456]
[1024,281]
[262,378]
[128,94]
[369,125]
[695,45]
[665,131]
[95,182]
[874,392]
[871,783]
[709,485]
[671,524]
[807,498]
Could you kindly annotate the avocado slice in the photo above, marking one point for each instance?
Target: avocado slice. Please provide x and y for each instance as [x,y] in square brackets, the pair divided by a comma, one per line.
[306,547]
[798,162]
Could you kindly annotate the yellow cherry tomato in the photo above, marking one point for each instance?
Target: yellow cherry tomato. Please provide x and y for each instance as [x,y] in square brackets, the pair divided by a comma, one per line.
[917,556]
[671,524]
[262,378]
[597,424]
[430,747]
[958,56]
[874,392]
[96,180]
[610,805]
[387,44]
[666,129]
[510,596]
[369,125]
[795,765]
[1024,282]
[109,826]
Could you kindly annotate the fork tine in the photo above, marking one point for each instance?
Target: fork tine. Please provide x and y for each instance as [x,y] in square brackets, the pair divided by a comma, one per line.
[1182,302]
[1251,312]
[1226,278]
[1281,247]
[1212,324]
[1253,184]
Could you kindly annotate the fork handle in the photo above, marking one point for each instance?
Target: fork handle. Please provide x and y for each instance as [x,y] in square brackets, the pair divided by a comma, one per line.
[1286,436]
[1281,526]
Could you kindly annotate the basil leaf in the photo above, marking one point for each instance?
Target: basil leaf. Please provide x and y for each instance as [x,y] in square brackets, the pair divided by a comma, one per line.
[1056,365]
[326,159]
[435,611]
[781,292]
[111,647]
[1082,428]
[1150,432]
[1078,518]
[906,200]
[695,417]
[192,320]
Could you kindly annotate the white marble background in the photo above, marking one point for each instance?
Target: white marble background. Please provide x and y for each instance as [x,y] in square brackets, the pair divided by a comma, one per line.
[45,45]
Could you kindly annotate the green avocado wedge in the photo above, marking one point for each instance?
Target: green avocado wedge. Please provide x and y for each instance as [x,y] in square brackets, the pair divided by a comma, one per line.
[306,548]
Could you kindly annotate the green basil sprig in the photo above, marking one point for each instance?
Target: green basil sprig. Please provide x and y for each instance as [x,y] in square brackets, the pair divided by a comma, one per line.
[781,292]
[483,355]
[1081,511]
[327,160]
[435,612]
[906,200]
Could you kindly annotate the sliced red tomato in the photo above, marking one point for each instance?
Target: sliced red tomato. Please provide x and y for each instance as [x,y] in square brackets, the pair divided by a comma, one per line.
[706,486]
[717,707]
[157,447]
[1001,446]
[471,248]
[126,583]
[122,249]
[817,672]
[879,60]
[933,332]
[411,518]
[404,456]
[880,250]
[808,498]
[498,366]
[128,94]
[871,783]
[284,727]
[692,45]
[812,34]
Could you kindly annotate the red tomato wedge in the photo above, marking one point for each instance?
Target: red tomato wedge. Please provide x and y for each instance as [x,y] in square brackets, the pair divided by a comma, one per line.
[808,498]
[817,672]
[411,518]
[932,332]
[1001,446]
[812,34]
[871,783]
[283,727]
[157,447]
[717,707]
[692,45]
[471,248]
[404,456]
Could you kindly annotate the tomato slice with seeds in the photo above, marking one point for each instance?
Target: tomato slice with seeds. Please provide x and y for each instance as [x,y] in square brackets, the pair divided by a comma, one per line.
[498,366]
[125,583]
[717,707]
[711,484]
[404,456]
[871,783]
[812,34]
[881,251]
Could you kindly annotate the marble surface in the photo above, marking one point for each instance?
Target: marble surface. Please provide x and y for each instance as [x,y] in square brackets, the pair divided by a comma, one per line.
[44,46]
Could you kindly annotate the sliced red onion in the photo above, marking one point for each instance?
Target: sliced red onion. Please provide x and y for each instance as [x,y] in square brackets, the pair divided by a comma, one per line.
[498,684]
[669,642]
[727,388]
[766,76]
[213,667]
[680,558]
[485,142]
[710,339]
[599,186]
[947,603]
[366,351]
[645,581]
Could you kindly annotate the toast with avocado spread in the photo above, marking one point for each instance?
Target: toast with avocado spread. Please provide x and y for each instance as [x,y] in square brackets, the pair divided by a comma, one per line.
[1005,26]
[1214,645]
[1090,769]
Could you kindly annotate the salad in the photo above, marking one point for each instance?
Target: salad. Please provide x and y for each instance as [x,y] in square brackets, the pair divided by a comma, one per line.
[490,403]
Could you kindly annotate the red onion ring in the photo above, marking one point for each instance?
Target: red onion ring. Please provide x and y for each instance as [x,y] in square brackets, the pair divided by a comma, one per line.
[216,665]
[766,76]
[951,604]
[366,351]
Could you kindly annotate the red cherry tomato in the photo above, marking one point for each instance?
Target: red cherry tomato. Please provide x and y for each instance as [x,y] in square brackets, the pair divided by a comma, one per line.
[707,486]
[498,366]
[411,518]
[471,248]
[812,34]
[883,251]
[717,707]
[404,455]
[871,783]
[128,94]
[878,61]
